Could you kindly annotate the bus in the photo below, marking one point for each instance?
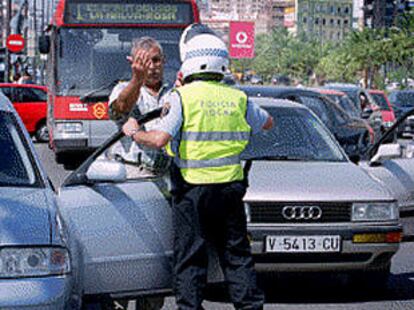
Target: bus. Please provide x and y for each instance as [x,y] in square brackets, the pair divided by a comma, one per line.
[86,44]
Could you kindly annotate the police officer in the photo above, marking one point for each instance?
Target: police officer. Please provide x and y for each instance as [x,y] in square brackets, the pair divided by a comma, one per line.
[208,125]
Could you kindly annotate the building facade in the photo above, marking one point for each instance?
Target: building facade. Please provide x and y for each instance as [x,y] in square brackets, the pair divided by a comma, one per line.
[266,14]
[325,19]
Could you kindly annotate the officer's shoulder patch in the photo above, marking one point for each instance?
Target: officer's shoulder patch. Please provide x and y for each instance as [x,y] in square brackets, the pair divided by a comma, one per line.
[165,109]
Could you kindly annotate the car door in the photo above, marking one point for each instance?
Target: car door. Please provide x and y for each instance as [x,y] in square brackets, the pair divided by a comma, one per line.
[122,228]
[30,104]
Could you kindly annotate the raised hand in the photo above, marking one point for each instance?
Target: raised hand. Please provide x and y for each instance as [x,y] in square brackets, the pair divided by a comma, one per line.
[140,63]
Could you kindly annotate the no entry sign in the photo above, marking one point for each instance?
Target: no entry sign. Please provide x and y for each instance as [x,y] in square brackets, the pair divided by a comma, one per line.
[241,39]
[15,43]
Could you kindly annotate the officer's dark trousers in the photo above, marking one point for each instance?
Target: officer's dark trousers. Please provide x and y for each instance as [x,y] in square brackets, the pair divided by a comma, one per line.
[213,215]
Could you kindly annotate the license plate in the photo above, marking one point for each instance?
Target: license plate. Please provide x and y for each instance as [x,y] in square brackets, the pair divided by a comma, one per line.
[302,244]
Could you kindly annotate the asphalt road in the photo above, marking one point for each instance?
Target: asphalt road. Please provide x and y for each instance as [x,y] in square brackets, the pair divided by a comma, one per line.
[308,292]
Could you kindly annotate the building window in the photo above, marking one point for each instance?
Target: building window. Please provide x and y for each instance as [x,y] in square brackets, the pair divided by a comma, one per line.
[305,20]
[324,21]
[339,22]
[346,10]
[339,10]
[317,21]
[332,10]
[332,22]
[346,22]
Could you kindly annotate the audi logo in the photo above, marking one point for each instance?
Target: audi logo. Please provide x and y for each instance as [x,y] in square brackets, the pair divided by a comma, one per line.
[302,212]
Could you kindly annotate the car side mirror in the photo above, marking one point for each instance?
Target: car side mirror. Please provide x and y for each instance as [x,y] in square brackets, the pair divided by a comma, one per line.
[44,44]
[387,151]
[102,170]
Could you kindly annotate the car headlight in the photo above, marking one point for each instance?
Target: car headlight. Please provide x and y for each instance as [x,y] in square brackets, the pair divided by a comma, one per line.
[388,124]
[247,211]
[374,211]
[33,262]
[69,127]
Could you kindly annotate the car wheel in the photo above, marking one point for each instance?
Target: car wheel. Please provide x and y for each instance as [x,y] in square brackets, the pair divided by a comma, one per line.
[42,133]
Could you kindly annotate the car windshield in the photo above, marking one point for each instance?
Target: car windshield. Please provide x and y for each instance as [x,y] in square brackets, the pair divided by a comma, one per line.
[380,101]
[403,99]
[346,104]
[92,58]
[296,135]
[16,165]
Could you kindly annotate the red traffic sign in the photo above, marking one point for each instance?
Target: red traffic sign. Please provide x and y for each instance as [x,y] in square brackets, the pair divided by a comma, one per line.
[15,43]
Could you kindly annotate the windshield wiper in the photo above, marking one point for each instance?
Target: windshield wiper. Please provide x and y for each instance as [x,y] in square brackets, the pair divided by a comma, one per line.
[101,93]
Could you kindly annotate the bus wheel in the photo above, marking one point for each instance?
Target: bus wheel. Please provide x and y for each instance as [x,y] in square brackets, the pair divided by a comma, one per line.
[42,133]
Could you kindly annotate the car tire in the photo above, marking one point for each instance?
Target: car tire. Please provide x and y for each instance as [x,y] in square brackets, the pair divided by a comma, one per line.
[42,133]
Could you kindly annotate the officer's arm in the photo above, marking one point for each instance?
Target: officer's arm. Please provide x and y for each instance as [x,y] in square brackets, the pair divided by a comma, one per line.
[154,138]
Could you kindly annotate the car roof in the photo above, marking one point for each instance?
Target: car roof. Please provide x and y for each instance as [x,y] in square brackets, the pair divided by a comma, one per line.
[375,91]
[284,103]
[5,104]
[278,90]
[326,91]
[43,87]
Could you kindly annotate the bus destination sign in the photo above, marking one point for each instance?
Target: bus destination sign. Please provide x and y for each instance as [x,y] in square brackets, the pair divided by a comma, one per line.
[128,13]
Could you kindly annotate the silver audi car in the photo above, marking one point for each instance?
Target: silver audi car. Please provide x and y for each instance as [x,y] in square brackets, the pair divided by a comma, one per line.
[309,207]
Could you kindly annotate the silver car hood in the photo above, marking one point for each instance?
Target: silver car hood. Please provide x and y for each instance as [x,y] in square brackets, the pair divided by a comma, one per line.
[24,216]
[311,181]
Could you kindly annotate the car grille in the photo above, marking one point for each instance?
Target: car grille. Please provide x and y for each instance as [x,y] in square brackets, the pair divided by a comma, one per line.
[273,213]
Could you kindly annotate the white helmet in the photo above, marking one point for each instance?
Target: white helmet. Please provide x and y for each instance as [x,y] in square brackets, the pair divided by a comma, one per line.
[202,51]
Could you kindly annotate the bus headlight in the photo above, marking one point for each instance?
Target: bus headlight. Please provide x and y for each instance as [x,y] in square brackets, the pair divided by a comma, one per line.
[33,262]
[383,211]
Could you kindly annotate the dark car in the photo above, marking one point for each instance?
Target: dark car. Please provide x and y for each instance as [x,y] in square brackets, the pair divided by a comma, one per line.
[373,113]
[354,134]
[403,101]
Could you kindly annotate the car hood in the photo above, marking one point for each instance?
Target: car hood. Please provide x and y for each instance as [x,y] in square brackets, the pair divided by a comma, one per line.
[312,181]
[24,216]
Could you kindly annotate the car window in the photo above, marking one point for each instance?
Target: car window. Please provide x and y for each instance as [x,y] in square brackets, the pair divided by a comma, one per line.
[318,107]
[380,101]
[297,134]
[16,166]
[30,95]
[346,104]
[7,91]
[404,99]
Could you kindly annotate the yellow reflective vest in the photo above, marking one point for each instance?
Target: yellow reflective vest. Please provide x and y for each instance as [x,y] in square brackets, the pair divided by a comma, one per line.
[213,134]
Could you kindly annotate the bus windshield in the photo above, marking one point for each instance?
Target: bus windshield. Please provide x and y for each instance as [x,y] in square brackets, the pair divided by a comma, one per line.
[90,58]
